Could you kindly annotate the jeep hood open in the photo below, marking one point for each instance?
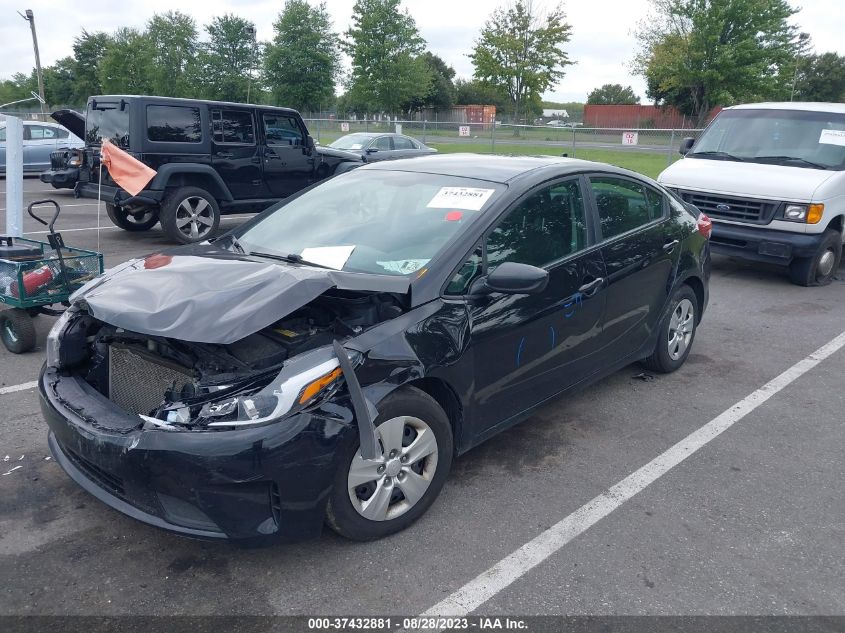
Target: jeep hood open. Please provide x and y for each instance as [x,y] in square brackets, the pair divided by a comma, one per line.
[205,294]
[72,120]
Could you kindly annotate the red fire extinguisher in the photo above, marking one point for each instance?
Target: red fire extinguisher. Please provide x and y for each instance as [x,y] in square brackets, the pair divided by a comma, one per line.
[34,280]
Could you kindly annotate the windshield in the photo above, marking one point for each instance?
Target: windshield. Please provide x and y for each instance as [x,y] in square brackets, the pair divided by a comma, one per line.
[384,222]
[107,120]
[796,138]
[352,141]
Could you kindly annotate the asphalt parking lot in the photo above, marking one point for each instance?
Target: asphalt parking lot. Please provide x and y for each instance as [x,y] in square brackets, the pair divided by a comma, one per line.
[751,523]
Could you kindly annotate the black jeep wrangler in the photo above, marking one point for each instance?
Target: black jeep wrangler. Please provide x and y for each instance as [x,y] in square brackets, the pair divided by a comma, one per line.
[211,157]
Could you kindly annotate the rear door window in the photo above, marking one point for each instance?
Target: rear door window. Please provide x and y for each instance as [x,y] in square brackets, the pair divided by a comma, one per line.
[174,124]
[233,127]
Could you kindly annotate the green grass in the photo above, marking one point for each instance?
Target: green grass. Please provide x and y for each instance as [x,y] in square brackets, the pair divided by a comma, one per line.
[647,163]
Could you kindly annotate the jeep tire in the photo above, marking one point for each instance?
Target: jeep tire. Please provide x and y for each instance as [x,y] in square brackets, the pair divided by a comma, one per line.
[143,219]
[189,215]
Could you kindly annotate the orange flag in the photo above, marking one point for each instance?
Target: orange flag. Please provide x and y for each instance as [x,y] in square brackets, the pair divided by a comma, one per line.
[128,172]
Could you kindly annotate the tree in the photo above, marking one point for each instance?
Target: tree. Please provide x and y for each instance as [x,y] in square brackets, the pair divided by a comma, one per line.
[227,59]
[696,54]
[173,37]
[302,62]
[520,50]
[613,94]
[441,94]
[88,51]
[385,47]
[60,82]
[820,78]
[476,92]
[126,66]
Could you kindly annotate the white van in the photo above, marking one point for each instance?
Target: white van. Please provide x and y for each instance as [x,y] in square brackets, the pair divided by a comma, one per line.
[771,176]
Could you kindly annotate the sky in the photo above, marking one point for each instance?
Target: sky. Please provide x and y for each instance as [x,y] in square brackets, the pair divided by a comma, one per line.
[602,43]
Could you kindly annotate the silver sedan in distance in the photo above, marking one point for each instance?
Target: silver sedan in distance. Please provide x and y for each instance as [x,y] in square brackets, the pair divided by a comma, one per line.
[39,141]
[375,147]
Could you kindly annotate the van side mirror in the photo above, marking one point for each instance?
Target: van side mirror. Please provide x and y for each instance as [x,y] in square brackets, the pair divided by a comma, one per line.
[309,143]
[517,279]
[686,146]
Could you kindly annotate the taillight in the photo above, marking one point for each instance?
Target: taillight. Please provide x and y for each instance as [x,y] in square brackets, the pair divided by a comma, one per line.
[705,225]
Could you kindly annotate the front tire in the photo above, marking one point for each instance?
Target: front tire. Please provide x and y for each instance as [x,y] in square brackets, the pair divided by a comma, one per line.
[372,499]
[17,331]
[189,215]
[820,268]
[676,333]
[142,220]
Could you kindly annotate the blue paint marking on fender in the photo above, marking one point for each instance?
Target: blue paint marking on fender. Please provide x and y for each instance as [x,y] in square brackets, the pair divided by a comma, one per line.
[519,351]
[552,332]
[570,305]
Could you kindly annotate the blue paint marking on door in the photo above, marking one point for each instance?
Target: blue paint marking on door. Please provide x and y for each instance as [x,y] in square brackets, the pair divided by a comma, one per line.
[519,351]
[570,306]
[552,332]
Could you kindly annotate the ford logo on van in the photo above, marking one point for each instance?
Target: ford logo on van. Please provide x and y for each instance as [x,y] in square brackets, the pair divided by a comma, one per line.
[723,207]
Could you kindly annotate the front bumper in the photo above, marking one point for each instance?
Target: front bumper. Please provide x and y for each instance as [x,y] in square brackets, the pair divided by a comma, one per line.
[762,245]
[115,195]
[269,483]
[61,177]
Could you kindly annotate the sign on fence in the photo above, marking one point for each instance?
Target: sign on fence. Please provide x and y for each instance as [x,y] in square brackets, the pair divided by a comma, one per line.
[344,127]
[630,138]
[463,130]
[399,128]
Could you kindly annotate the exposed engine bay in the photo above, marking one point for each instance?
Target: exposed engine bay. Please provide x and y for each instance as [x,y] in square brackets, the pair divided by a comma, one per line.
[168,382]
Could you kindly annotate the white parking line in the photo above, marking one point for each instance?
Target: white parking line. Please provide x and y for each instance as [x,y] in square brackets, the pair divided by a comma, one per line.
[21,387]
[501,575]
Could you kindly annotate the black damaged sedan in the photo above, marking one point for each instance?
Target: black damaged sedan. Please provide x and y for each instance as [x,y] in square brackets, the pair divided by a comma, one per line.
[326,362]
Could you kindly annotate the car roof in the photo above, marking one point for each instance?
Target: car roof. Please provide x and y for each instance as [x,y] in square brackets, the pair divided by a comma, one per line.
[179,100]
[34,122]
[493,168]
[807,106]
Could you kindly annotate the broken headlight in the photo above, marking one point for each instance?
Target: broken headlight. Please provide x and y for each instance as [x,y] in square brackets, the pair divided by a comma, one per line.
[307,380]
[54,338]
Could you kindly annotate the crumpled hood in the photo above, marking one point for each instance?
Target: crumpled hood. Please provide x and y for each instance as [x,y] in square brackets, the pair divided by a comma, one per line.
[212,296]
[772,182]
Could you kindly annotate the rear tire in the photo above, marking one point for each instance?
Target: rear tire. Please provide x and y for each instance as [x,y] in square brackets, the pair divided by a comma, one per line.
[416,441]
[143,220]
[676,332]
[819,269]
[17,331]
[189,215]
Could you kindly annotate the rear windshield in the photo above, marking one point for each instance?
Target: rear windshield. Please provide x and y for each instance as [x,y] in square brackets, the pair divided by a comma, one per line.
[795,138]
[107,120]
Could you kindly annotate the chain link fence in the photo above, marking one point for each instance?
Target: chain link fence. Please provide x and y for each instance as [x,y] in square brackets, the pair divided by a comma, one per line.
[507,138]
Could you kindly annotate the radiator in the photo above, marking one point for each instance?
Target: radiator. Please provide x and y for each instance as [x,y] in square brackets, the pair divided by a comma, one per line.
[138,382]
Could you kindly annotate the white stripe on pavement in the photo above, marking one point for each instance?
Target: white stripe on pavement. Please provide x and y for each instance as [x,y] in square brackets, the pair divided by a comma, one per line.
[501,575]
[21,387]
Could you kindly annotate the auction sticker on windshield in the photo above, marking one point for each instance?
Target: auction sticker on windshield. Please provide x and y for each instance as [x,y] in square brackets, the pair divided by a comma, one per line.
[468,198]
[832,137]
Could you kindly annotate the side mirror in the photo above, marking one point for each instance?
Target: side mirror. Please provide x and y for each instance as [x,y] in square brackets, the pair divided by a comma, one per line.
[309,142]
[372,150]
[686,146]
[517,279]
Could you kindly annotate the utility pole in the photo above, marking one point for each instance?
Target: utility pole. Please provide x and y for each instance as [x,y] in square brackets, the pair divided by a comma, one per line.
[30,17]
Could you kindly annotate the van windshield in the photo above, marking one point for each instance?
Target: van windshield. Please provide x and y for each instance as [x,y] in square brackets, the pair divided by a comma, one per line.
[107,120]
[796,138]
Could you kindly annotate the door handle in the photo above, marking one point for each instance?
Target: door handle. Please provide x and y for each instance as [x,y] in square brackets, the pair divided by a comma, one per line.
[225,154]
[670,246]
[256,159]
[590,288]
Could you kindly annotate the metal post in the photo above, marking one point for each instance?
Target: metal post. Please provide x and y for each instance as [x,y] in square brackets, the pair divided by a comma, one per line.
[14,176]
[573,142]
[493,136]
[424,143]
[671,145]
[30,17]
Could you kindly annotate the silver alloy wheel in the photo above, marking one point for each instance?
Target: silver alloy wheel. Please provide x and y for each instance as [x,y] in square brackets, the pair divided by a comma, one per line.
[826,262]
[388,486]
[681,325]
[194,217]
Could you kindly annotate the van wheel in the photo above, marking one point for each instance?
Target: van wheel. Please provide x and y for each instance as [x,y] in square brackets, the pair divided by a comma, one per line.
[141,220]
[373,498]
[819,269]
[189,215]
